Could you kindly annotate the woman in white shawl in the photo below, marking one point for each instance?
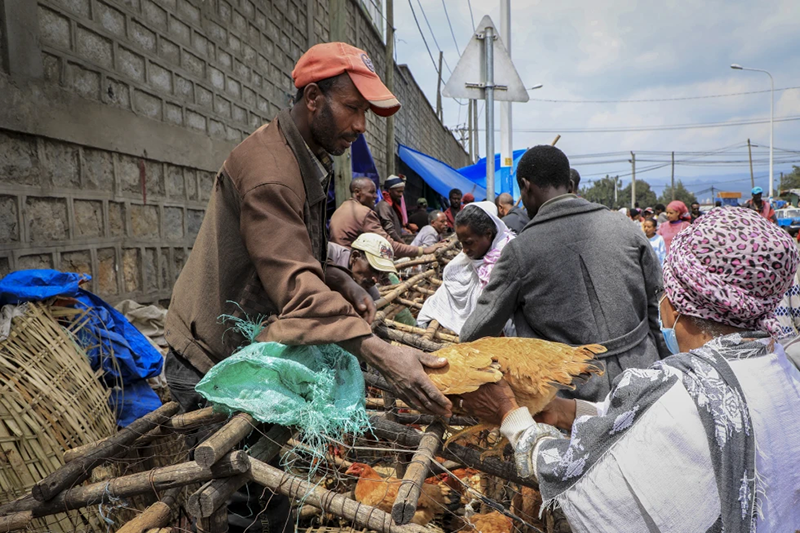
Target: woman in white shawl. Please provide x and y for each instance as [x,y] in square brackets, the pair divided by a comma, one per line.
[483,236]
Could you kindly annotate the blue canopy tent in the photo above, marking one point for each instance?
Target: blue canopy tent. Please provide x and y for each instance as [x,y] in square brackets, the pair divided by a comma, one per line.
[505,179]
[440,176]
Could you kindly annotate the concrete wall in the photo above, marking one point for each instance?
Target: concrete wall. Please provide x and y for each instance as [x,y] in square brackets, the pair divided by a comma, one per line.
[117,113]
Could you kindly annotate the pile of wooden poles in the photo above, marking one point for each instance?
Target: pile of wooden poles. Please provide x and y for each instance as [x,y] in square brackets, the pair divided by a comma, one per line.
[219,469]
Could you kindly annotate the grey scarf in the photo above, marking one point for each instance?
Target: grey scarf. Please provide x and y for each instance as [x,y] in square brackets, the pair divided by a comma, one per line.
[723,411]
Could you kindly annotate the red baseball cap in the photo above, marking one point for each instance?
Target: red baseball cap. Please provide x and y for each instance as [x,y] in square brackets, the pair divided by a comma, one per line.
[327,60]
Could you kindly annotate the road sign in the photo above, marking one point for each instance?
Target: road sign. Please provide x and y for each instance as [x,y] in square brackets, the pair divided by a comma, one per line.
[469,78]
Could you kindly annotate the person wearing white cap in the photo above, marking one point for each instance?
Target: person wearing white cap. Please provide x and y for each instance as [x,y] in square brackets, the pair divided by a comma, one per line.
[368,262]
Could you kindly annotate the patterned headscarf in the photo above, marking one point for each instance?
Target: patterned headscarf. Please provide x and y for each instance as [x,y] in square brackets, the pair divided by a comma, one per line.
[731,266]
[680,207]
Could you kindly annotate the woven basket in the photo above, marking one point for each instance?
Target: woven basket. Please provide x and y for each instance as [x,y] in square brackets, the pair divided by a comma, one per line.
[50,401]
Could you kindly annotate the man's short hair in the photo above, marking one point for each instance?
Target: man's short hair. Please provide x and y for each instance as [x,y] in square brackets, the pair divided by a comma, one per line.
[433,215]
[505,199]
[358,183]
[575,178]
[661,207]
[455,190]
[544,166]
[325,87]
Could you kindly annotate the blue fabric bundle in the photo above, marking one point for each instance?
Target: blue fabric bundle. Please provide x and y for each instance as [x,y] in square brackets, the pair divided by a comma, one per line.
[110,341]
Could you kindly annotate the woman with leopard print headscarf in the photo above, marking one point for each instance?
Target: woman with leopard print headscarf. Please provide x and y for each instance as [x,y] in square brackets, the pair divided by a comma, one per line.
[673,447]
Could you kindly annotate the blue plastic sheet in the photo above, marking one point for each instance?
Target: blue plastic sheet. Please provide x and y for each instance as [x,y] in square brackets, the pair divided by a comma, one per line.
[505,179]
[109,339]
[439,176]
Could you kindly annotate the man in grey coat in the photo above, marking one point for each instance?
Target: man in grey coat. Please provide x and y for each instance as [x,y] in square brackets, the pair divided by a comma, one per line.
[576,274]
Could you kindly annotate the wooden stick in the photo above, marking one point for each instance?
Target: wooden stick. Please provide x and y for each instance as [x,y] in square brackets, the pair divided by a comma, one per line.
[385,312]
[216,523]
[338,504]
[160,530]
[378,403]
[195,419]
[405,504]
[421,260]
[373,380]
[80,451]
[217,445]
[408,339]
[409,303]
[408,437]
[155,516]
[401,288]
[76,471]
[423,290]
[425,420]
[436,282]
[158,479]
[419,331]
[213,495]
[19,520]
[396,310]
[431,330]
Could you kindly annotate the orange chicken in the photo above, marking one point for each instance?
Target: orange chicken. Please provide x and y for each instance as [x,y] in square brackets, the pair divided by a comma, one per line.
[493,522]
[534,369]
[376,491]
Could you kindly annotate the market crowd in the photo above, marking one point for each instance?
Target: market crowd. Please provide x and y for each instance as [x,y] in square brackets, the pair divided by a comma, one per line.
[695,425]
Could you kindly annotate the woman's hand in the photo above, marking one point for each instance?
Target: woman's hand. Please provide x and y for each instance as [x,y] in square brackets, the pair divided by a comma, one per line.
[559,413]
[490,403]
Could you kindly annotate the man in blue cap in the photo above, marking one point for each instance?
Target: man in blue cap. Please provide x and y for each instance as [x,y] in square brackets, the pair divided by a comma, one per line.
[762,207]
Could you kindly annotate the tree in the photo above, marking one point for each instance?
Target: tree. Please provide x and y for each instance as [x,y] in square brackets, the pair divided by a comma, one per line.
[681,193]
[791,180]
[602,191]
[644,195]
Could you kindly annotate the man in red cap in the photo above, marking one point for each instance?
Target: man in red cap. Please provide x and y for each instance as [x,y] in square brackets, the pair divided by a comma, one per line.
[261,250]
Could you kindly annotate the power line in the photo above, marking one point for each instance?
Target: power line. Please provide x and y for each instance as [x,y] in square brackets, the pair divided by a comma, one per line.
[435,67]
[665,127]
[723,95]
[469,3]
[439,48]
[451,27]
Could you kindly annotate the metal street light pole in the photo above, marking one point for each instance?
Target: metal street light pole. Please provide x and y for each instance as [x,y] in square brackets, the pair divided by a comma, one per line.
[771,116]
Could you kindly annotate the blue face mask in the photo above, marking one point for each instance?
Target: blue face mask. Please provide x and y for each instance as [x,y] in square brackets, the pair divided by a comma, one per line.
[670,338]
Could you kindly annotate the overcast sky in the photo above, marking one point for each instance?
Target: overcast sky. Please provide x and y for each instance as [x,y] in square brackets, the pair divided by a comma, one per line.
[629,50]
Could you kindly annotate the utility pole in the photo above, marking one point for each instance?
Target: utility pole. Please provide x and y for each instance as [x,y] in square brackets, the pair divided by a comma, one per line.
[475,131]
[439,89]
[506,134]
[750,152]
[633,182]
[488,41]
[342,165]
[471,134]
[673,176]
[389,79]
[712,195]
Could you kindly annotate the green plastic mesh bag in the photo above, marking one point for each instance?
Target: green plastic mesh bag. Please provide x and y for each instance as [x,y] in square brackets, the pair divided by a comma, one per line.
[318,389]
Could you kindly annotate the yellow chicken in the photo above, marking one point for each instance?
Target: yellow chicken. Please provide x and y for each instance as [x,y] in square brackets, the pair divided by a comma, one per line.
[535,369]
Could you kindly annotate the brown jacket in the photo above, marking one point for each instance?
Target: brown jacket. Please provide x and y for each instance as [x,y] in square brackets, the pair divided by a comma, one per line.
[389,220]
[260,254]
[352,219]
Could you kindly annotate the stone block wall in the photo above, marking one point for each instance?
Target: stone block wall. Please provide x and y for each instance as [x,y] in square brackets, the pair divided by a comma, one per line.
[117,114]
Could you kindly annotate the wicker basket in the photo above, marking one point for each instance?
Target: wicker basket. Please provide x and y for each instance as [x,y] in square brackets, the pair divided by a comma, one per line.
[50,401]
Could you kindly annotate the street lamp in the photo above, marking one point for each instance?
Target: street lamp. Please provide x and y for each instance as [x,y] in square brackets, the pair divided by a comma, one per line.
[736,66]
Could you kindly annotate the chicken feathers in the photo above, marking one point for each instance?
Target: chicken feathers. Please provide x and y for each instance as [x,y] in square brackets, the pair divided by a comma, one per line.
[535,369]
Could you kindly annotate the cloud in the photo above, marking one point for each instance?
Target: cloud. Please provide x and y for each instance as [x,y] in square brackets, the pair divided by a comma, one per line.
[629,49]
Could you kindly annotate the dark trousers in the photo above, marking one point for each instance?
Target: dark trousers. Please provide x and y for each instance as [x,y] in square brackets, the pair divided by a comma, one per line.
[246,505]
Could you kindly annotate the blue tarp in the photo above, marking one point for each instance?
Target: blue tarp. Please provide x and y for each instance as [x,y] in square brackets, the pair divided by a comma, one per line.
[109,339]
[439,176]
[505,179]
[363,164]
